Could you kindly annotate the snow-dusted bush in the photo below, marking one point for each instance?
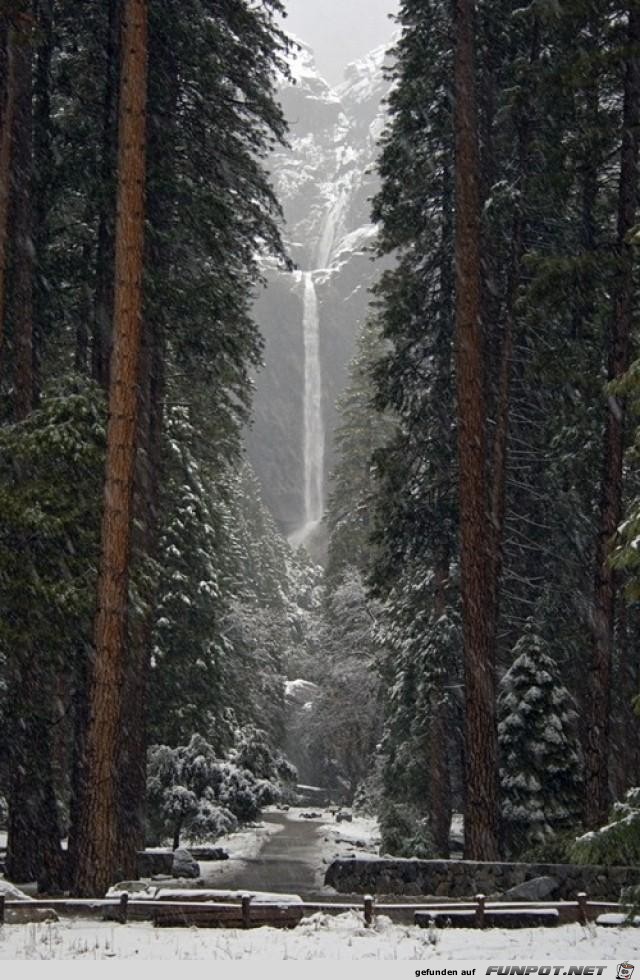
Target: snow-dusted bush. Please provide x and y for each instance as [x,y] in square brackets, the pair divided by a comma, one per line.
[540,771]
[253,751]
[211,821]
[616,843]
[237,791]
[182,785]
[192,791]
[404,832]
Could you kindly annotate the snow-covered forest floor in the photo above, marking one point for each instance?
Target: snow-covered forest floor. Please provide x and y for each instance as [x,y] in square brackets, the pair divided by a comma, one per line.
[300,864]
[321,936]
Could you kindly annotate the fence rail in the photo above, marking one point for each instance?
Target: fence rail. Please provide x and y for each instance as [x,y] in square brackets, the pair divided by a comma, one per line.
[251,911]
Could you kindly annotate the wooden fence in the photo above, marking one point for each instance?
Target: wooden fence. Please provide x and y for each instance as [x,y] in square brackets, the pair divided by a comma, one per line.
[252,912]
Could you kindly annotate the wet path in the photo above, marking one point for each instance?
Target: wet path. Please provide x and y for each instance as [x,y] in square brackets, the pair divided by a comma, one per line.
[289,861]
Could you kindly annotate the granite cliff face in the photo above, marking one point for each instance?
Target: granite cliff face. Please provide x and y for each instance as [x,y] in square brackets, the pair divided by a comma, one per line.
[310,318]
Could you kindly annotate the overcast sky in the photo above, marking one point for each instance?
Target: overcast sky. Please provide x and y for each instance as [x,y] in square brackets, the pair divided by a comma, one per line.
[340,31]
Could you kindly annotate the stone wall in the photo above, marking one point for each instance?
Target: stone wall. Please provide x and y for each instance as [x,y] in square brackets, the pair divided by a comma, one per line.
[463,879]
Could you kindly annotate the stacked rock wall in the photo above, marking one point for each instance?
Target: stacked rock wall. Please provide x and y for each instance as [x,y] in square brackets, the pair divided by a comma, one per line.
[464,879]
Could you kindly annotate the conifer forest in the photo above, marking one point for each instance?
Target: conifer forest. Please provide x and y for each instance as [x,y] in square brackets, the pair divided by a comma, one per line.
[319,430]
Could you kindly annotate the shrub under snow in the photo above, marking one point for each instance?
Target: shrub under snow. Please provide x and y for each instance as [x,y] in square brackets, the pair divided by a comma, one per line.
[192,791]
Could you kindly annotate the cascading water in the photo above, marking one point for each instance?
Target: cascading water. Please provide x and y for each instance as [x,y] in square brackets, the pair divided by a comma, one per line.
[331,227]
[314,434]
[313,424]
[313,447]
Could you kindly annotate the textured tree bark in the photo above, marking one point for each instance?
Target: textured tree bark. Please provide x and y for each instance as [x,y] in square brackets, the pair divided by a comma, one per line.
[132,766]
[21,211]
[33,839]
[103,300]
[440,801]
[500,449]
[476,564]
[6,146]
[6,143]
[439,769]
[100,849]
[33,846]
[618,353]
[162,105]
[42,183]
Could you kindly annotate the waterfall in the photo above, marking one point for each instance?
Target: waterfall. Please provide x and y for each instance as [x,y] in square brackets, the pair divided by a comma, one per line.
[331,225]
[313,446]
[314,436]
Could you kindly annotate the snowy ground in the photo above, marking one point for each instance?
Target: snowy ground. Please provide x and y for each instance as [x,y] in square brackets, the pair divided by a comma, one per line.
[328,840]
[318,937]
[243,845]
[341,937]
[344,839]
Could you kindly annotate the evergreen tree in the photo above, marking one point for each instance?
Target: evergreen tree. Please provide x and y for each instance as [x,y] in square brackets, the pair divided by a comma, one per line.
[541,771]
[102,853]
[361,432]
[414,517]
[550,113]
[49,487]
[618,356]
[343,725]
[210,212]
[618,842]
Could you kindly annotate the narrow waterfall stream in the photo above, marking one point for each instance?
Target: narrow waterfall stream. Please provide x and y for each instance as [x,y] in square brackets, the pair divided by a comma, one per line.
[313,423]
[314,433]
[314,439]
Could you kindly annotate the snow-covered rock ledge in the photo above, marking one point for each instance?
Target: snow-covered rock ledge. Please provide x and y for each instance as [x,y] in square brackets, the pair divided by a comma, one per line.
[463,879]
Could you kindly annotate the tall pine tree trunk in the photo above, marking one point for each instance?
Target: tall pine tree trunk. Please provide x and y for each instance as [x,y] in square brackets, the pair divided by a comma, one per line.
[440,774]
[476,565]
[132,766]
[33,840]
[43,184]
[162,107]
[439,801]
[100,849]
[618,347]
[103,300]
[8,94]
[22,217]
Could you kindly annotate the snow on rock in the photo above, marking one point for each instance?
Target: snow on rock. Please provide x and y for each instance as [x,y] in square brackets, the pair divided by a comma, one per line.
[301,693]
[139,890]
[223,895]
[534,890]
[184,865]
[10,891]
[616,919]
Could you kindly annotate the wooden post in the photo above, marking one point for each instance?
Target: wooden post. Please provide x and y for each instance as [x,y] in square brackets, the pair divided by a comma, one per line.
[122,910]
[1,910]
[246,911]
[582,908]
[368,910]
[480,910]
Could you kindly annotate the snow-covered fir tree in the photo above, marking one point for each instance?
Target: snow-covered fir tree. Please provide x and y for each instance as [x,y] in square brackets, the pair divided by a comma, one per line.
[541,770]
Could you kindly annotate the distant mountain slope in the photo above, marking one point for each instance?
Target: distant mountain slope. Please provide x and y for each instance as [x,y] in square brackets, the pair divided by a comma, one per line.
[325,180]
